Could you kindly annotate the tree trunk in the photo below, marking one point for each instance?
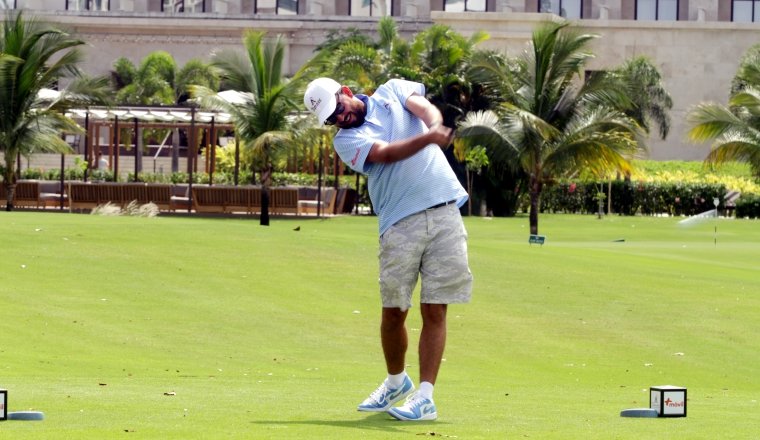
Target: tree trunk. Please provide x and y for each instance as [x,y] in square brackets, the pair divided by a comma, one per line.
[10,193]
[265,182]
[175,150]
[9,180]
[264,220]
[535,197]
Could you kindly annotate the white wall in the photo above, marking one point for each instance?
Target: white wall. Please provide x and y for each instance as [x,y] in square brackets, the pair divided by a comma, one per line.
[697,59]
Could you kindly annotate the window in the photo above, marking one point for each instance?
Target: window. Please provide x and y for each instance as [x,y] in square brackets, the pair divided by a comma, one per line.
[370,8]
[464,6]
[657,10]
[183,6]
[279,7]
[88,5]
[570,9]
[745,11]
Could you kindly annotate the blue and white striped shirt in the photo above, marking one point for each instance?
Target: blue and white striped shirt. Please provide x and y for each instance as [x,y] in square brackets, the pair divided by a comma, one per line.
[402,188]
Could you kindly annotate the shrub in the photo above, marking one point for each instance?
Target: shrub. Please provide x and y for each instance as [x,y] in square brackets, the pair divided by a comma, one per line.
[98,175]
[630,198]
[179,177]
[748,206]
[32,174]
[151,177]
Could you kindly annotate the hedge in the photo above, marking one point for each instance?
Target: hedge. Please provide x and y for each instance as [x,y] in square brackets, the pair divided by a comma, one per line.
[631,198]
[748,206]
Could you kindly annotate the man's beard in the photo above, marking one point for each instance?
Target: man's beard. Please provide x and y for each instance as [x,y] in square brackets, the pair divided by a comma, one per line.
[358,119]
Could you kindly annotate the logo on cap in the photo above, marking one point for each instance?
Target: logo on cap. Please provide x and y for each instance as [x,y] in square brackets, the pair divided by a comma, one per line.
[315,104]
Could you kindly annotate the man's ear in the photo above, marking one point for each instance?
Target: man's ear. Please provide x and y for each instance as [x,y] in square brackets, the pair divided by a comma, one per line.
[346,91]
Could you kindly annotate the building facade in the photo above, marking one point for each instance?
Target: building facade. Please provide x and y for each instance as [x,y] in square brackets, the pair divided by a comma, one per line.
[696,44]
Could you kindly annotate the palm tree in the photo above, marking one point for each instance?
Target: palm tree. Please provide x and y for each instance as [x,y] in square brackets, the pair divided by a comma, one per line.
[439,57]
[733,129]
[152,83]
[651,101]
[194,72]
[552,125]
[354,58]
[262,120]
[158,80]
[36,56]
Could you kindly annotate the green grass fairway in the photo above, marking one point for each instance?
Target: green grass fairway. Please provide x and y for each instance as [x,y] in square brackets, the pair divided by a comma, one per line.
[203,328]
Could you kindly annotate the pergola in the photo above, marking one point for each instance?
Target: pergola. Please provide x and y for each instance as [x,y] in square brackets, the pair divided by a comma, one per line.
[202,128]
[201,125]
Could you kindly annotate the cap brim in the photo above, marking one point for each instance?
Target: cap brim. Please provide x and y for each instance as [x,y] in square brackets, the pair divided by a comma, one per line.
[329,108]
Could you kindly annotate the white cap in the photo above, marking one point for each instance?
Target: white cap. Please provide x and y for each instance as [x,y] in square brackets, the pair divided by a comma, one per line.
[320,97]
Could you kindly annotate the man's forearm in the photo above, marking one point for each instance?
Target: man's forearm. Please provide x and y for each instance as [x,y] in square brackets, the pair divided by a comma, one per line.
[398,150]
[432,117]
[423,109]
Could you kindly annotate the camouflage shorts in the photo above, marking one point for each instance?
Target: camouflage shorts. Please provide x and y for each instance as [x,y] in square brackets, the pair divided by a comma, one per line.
[433,244]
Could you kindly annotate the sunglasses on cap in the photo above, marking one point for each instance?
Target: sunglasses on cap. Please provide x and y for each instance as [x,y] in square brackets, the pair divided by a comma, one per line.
[339,108]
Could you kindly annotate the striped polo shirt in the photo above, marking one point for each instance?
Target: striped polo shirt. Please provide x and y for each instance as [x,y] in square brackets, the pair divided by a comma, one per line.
[406,187]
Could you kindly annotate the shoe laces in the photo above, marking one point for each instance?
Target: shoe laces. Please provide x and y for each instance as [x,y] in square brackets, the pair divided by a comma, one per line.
[379,393]
[415,400]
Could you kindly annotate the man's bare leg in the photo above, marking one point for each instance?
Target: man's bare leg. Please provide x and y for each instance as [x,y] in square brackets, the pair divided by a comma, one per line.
[432,343]
[432,340]
[394,339]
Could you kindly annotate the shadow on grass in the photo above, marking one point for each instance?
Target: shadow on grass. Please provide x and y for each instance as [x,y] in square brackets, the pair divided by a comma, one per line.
[377,422]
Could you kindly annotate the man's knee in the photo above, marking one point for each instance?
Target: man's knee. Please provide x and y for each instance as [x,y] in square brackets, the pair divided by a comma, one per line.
[433,314]
[393,318]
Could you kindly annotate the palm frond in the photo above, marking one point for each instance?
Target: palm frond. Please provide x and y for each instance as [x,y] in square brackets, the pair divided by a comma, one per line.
[747,99]
[735,147]
[196,71]
[210,99]
[41,132]
[495,72]
[600,120]
[268,141]
[709,120]
[487,129]
[351,60]
[748,73]
[86,91]
[531,125]
[606,90]
[477,37]
[236,71]
[388,33]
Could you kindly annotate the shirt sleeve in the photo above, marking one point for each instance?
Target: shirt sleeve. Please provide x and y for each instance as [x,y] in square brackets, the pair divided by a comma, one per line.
[353,145]
[403,89]
[353,149]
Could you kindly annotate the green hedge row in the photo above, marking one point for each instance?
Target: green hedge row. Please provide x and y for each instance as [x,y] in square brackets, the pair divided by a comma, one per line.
[220,177]
[631,198]
[748,205]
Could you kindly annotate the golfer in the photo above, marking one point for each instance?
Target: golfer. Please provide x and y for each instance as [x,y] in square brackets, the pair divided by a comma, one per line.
[396,137]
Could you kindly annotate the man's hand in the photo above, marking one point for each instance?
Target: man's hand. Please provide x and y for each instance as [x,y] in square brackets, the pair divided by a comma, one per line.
[441,135]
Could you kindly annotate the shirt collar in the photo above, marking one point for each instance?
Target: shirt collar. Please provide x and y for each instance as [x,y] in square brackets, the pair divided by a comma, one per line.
[365,100]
